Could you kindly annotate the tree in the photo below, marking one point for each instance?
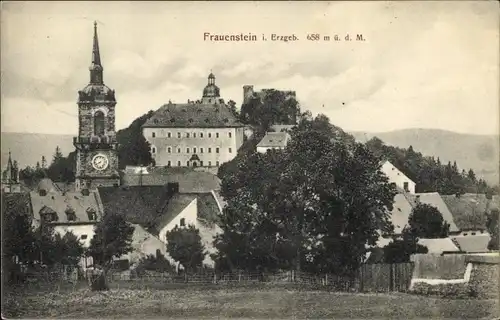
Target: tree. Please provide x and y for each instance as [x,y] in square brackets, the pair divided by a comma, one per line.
[70,248]
[312,206]
[232,107]
[112,239]
[425,221]
[62,168]
[184,246]
[400,250]
[133,149]
[492,226]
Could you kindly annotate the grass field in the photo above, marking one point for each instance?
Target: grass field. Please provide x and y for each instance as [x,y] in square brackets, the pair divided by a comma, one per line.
[243,303]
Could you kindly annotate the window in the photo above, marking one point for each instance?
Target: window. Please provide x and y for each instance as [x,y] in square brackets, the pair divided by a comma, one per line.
[178,163]
[210,135]
[217,163]
[153,134]
[201,163]
[465,234]
[98,123]
[209,150]
[473,233]
[230,150]
[178,150]
[406,186]
[187,150]
[201,134]
[194,150]
[83,236]
[187,163]
[169,163]
[169,134]
[169,150]
[201,150]
[230,134]
[183,222]
[216,150]
[153,150]
[178,134]
[187,134]
[194,134]
[209,163]
[216,134]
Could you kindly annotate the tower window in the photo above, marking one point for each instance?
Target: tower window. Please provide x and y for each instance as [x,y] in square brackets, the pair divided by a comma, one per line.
[216,134]
[153,134]
[216,150]
[98,123]
[169,150]
[230,134]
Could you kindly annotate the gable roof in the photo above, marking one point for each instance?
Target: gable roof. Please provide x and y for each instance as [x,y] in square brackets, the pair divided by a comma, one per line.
[434,199]
[469,210]
[139,205]
[472,244]
[400,212]
[61,203]
[174,207]
[192,115]
[190,181]
[274,139]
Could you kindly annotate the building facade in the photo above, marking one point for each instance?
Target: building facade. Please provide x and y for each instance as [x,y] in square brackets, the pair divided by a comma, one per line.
[10,177]
[203,133]
[397,177]
[96,144]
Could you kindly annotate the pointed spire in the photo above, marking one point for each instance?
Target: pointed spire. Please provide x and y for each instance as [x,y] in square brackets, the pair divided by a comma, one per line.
[96,56]
[9,170]
[95,66]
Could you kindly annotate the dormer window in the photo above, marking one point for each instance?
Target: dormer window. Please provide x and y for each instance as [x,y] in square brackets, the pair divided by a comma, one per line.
[206,120]
[155,121]
[47,214]
[190,120]
[172,120]
[91,214]
[70,214]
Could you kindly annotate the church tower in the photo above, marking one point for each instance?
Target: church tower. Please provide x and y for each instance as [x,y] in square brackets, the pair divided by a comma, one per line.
[96,144]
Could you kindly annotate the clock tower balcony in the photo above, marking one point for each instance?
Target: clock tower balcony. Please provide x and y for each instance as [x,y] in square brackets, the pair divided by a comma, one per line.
[95,142]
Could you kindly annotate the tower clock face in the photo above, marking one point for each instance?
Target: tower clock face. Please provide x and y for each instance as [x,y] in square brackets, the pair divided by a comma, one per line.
[100,162]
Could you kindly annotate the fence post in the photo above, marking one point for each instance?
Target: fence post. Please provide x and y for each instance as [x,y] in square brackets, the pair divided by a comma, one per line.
[215,278]
[326,279]
[239,276]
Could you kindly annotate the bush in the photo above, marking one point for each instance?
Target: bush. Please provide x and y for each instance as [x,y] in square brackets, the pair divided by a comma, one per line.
[448,290]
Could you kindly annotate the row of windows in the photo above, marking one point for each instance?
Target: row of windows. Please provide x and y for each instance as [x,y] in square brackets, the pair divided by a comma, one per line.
[192,134]
[188,150]
[193,164]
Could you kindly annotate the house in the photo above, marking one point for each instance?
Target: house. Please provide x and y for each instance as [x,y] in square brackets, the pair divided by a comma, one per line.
[203,133]
[273,140]
[10,177]
[158,209]
[73,211]
[397,177]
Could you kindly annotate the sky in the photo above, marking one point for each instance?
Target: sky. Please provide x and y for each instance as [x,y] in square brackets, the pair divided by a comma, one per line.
[422,65]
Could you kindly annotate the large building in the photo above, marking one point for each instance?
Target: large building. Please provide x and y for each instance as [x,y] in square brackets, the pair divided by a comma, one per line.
[203,133]
[10,177]
[96,144]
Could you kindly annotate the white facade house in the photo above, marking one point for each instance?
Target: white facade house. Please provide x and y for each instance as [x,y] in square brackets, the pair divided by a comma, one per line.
[273,140]
[397,177]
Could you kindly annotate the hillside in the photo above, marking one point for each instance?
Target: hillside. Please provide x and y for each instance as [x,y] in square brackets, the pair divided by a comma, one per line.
[479,152]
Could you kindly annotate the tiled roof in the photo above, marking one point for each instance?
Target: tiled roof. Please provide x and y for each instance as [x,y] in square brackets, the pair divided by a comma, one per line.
[469,209]
[434,199]
[189,180]
[472,244]
[273,139]
[192,115]
[439,245]
[47,185]
[62,203]
[139,205]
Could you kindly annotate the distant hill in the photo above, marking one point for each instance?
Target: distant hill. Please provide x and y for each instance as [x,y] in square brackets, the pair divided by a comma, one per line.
[479,152]
[28,148]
